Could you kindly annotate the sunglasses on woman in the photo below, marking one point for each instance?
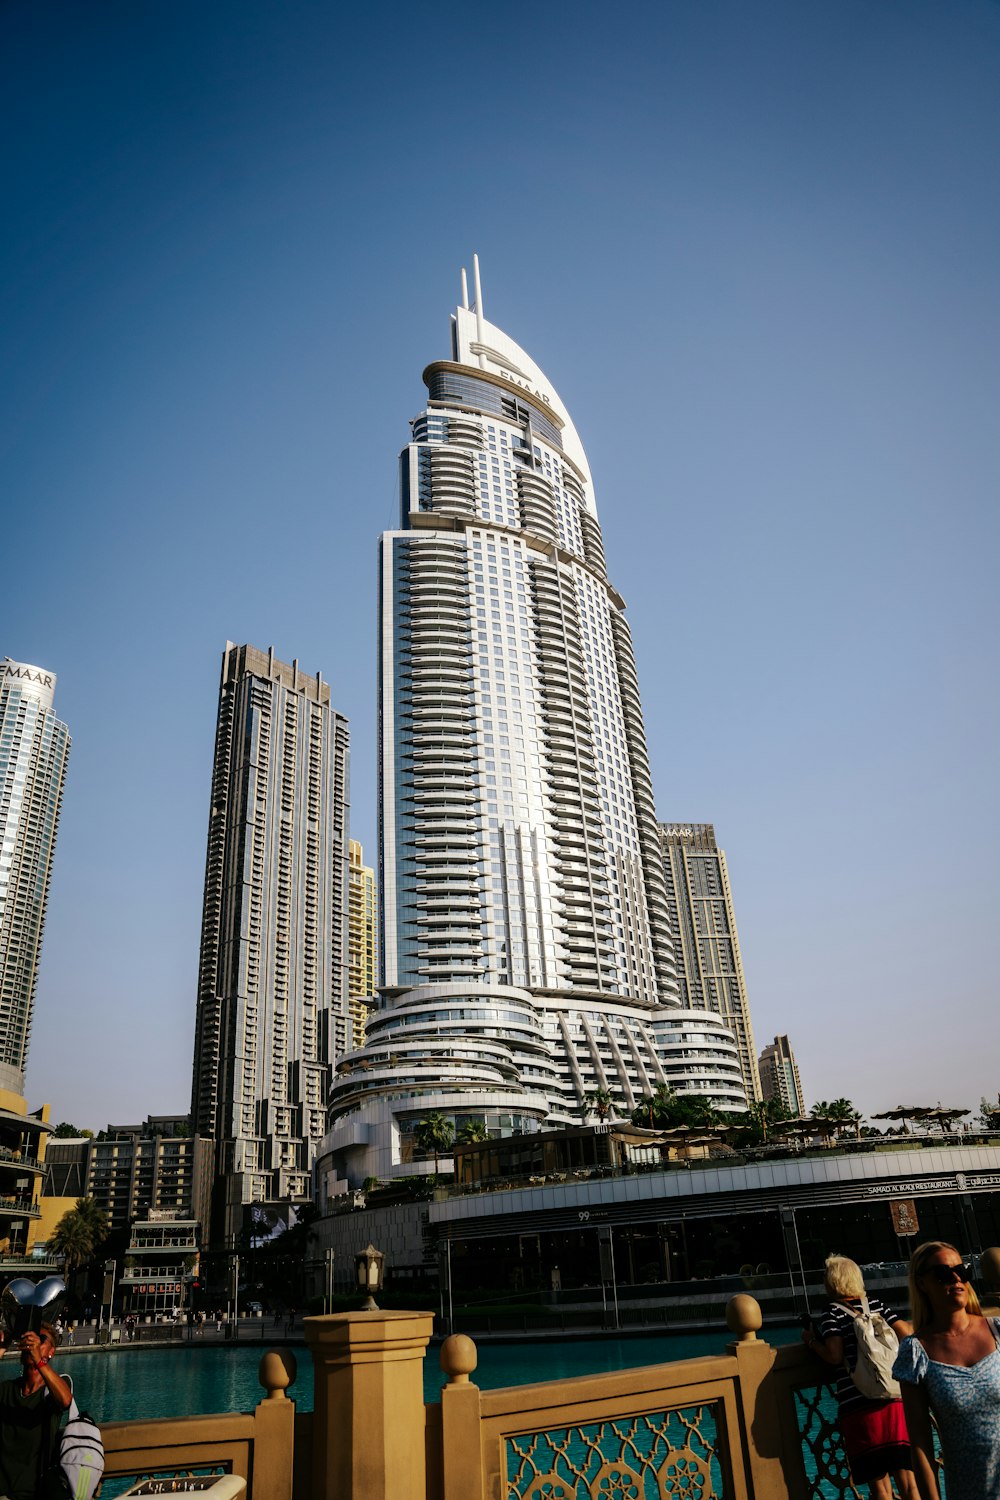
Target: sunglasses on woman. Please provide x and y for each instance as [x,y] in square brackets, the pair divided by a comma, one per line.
[947,1274]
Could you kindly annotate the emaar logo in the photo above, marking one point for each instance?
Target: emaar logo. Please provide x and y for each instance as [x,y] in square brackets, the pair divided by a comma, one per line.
[28,674]
[35,682]
[525,385]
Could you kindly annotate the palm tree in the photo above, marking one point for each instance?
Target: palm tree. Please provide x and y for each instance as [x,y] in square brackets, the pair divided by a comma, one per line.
[472,1132]
[659,1109]
[602,1102]
[73,1239]
[696,1110]
[752,1125]
[94,1216]
[843,1111]
[434,1133]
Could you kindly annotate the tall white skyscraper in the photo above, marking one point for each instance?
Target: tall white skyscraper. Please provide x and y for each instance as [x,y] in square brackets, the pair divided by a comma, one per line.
[272,983]
[527,950]
[34,749]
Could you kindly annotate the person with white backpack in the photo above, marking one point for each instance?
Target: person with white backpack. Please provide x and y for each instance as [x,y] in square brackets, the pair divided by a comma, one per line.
[859,1337]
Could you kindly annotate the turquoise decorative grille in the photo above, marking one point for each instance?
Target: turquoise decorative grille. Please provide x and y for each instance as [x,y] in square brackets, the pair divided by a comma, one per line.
[656,1456]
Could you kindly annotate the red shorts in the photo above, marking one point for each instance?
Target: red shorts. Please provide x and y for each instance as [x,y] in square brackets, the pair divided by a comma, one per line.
[875,1439]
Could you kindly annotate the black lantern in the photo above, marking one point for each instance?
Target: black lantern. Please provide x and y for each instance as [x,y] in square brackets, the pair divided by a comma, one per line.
[368,1273]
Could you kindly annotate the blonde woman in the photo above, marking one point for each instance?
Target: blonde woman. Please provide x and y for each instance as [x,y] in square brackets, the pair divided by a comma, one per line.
[950,1369]
[874,1433]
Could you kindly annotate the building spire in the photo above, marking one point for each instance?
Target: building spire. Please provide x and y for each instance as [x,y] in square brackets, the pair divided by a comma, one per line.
[479,310]
[465,290]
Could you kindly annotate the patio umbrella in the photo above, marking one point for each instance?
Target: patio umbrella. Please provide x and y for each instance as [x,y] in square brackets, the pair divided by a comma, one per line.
[944,1117]
[806,1125]
[904,1112]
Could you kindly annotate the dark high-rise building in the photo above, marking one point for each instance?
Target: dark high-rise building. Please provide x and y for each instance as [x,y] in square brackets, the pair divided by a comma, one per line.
[272,984]
[706,943]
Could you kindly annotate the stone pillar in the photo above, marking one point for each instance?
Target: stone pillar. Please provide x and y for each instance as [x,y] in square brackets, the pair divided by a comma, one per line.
[274,1427]
[368,1416]
[762,1424]
[461,1434]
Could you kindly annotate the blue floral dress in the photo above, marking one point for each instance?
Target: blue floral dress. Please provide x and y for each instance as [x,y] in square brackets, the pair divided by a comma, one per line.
[965,1403]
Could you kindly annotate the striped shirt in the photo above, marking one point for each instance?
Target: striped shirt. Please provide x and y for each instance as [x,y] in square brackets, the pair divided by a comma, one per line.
[835,1323]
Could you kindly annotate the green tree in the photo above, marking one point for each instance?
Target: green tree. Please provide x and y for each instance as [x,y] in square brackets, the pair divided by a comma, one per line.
[843,1111]
[658,1110]
[78,1234]
[472,1132]
[93,1215]
[697,1111]
[752,1125]
[663,1110]
[602,1102]
[989,1113]
[434,1134]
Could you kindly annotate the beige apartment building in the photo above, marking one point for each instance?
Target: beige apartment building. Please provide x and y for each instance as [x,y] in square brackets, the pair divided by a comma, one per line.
[706,942]
[779,1076]
[362,949]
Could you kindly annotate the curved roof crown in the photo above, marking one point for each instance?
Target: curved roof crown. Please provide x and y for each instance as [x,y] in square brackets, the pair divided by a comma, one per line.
[482,346]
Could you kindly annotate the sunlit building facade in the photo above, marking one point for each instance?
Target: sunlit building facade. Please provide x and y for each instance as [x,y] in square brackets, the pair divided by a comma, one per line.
[779,1076]
[272,987]
[34,750]
[362,923]
[527,950]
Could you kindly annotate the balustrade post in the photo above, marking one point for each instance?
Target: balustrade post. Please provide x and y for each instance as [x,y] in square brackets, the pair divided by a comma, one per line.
[368,1414]
[274,1428]
[762,1424]
[461,1437]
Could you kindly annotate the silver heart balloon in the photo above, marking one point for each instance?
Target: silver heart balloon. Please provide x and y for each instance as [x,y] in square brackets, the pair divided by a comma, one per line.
[22,1293]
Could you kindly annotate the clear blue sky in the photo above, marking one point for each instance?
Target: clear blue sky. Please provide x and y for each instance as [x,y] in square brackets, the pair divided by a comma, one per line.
[754,246]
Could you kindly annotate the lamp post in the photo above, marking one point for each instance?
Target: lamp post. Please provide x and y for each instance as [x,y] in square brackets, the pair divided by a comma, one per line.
[368,1268]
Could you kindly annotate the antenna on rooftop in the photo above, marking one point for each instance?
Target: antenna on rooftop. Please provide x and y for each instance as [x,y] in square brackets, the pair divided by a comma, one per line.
[465,290]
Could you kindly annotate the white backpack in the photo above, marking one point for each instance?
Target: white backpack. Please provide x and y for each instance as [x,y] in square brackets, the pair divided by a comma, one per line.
[81,1452]
[877,1350]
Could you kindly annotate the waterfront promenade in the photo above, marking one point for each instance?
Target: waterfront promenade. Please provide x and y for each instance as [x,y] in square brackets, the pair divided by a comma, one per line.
[752,1422]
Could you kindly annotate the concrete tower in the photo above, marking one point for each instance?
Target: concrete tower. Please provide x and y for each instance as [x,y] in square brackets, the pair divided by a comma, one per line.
[779,1076]
[272,984]
[706,942]
[362,923]
[34,749]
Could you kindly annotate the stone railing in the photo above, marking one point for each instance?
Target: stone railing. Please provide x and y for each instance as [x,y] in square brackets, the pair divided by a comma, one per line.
[752,1423]
[258,1446]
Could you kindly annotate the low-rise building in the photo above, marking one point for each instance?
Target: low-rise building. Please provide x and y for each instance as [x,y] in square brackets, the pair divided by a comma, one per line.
[520,1208]
[134,1169]
[161,1266]
[23,1139]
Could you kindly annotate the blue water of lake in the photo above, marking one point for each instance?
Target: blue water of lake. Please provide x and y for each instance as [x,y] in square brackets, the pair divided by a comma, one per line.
[119,1385]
